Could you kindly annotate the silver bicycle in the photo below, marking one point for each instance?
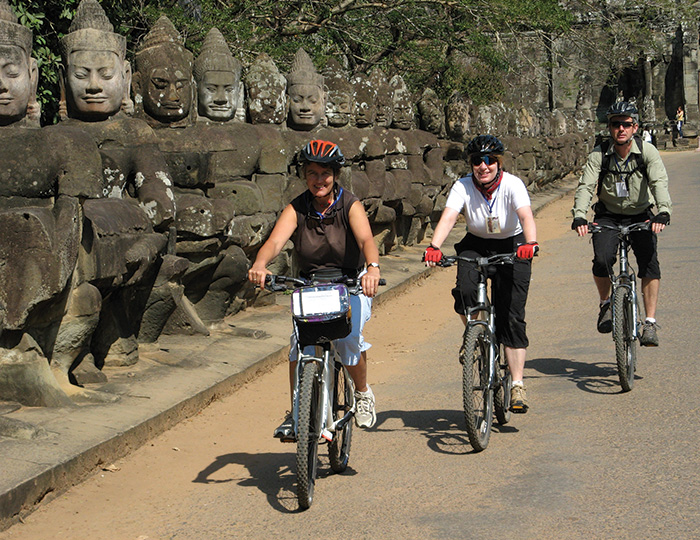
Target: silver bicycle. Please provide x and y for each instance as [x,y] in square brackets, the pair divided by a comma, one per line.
[625,304]
[486,378]
[323,402]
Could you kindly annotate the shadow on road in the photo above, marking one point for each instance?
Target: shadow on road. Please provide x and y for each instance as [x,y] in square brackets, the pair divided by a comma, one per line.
[444,429]
[596,378]
[272,473]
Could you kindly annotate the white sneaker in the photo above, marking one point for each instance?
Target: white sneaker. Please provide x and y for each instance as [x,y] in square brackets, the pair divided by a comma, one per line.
[365,417]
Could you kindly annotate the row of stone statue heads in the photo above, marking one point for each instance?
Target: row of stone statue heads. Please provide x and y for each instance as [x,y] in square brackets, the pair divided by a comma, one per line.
[172,88]
[137,212]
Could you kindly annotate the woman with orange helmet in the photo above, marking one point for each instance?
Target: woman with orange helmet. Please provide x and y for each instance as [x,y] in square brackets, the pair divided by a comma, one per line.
[331,233]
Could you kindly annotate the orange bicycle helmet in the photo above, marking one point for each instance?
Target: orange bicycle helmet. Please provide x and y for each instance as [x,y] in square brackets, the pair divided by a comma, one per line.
[324,152]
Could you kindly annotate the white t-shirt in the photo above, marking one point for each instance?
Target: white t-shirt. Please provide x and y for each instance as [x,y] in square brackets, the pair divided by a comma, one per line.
[510,195]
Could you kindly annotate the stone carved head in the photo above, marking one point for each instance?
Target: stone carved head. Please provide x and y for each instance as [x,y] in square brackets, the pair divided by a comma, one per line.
[385,98]
[266,88]
[403,104]
[365,112]
[306,95]
[457,117]
[339,94]
[97,75]
[18,70]
[218,77]
[431,110]
[163,83]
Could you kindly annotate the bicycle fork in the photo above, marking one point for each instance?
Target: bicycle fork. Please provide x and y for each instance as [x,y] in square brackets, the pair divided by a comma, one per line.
[326,379]
[475,317]
[627,280]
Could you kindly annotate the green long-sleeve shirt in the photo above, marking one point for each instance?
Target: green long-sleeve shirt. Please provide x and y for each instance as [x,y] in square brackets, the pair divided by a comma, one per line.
[642,193]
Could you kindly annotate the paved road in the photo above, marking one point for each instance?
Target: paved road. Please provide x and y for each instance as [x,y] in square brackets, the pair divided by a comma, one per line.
[586,462]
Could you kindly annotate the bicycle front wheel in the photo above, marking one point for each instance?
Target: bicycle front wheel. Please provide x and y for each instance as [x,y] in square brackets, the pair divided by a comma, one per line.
[477,395]
[623,336]
[501,397]
[308,434]
[339,448]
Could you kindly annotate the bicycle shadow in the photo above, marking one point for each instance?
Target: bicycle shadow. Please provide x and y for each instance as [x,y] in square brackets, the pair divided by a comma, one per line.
[444,429]
[596,377]
[272,473]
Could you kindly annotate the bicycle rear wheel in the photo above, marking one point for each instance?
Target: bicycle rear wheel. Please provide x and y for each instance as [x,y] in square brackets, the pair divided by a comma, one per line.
[623,336]
[308,434]
[339,448]
[501,397]
[477,396]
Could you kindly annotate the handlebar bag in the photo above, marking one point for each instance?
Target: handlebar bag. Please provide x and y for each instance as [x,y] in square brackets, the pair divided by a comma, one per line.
[321,313]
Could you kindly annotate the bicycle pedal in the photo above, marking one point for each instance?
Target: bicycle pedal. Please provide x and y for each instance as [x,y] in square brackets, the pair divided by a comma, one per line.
[327,435]
[288,439]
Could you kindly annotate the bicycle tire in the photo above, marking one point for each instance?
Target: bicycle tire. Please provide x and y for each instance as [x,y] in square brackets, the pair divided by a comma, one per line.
[477,396]
[623,332]
[501,397]
[307,435]
[339,447]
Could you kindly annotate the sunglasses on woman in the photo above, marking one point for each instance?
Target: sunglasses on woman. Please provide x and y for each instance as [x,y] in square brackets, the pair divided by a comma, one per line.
[478,160]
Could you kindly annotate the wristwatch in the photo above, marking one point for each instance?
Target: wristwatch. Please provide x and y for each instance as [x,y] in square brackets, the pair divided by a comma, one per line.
[373,265]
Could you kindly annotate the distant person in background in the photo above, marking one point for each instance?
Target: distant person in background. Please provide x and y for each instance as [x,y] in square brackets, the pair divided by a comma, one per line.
[680,118]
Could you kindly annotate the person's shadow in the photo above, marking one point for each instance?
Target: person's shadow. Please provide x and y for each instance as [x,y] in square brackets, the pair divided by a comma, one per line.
[596,378]
[444,429]
[273,473]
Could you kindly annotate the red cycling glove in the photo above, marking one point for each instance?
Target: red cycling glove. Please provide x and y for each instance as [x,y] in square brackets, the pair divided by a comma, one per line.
[527,251]
[432,255]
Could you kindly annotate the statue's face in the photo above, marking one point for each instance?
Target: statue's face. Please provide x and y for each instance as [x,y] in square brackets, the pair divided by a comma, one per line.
[95,84]
[167,92]
[217,94]
[385,109]
[15,84]
[306,106]
[403,111]
[267,100]
[432,118]
[338,108]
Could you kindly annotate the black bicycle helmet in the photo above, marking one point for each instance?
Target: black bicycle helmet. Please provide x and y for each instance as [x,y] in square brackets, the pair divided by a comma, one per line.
[485,144]
[623,108]
[324,152]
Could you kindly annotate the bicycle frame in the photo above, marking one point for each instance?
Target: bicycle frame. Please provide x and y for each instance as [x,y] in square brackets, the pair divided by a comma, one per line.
[485,305]
[326,377]
[625,279]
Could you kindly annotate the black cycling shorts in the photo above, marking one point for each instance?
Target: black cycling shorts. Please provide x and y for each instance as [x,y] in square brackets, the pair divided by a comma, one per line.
[606,242]
[510,284]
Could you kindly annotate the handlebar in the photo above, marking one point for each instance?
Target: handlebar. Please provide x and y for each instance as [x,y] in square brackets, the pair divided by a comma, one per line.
[499,258]
[621,229]
[277,283]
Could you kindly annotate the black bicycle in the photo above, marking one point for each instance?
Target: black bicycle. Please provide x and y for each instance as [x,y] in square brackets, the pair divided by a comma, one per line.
[486,378]
[323,396]
[626,321]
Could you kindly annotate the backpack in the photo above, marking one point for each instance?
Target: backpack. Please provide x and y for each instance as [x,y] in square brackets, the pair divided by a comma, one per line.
[605,164]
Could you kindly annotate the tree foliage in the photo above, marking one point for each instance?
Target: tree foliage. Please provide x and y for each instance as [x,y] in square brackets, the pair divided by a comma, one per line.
[416,38]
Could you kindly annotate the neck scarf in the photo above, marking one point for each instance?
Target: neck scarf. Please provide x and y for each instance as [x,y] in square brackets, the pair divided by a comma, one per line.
[488,189]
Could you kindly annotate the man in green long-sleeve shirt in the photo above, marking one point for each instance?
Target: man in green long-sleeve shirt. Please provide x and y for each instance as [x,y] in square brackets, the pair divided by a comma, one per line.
[629,178]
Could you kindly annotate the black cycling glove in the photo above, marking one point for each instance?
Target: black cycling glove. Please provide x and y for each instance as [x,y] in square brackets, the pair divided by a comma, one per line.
[662,217]
[578,222]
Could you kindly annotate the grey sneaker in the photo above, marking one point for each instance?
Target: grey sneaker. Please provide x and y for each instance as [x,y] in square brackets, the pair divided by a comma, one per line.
[518,399]
[285,431]
[605,319]
[649,337]
[365,416]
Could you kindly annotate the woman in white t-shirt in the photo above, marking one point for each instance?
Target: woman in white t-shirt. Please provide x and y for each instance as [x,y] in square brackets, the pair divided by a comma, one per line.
[496,206]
